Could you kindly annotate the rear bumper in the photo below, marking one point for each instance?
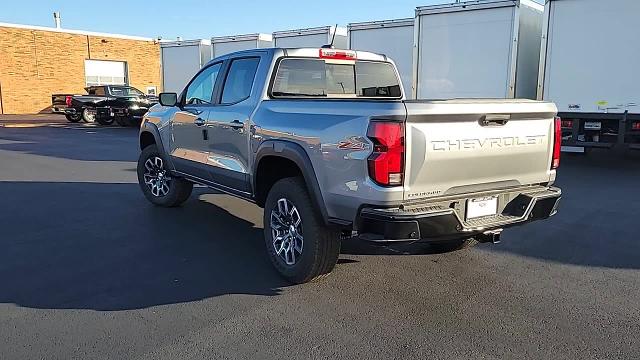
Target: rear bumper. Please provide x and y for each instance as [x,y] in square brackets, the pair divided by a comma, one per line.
[56,109]
[134,114]
[444,219]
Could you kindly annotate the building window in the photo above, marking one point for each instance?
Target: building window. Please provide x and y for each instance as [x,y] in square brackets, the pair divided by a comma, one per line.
[151,90]
[103,72]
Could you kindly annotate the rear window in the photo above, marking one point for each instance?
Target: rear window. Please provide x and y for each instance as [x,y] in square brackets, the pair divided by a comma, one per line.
[318,78]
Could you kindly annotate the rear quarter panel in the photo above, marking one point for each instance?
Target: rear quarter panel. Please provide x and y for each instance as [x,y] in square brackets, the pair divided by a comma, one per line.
[333,133]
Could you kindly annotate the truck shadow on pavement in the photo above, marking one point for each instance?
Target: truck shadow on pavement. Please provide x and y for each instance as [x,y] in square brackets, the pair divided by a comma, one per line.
[102,246]
[598,217]
[62,249]
[596,225]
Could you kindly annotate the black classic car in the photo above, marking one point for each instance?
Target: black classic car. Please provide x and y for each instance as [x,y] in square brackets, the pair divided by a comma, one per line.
[105,104]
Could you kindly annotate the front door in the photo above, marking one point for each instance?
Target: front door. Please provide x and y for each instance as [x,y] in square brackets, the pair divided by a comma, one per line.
[229,124]
[190,135]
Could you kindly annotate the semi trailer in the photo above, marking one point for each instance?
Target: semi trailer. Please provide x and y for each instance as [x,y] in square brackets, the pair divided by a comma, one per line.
[180,60]
[477,49]
[394,38]
[222,45]
[589,68]
[311,37]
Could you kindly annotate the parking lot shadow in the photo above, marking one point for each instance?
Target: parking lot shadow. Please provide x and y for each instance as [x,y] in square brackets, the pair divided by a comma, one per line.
[103,247]
[65,140]
[598,218]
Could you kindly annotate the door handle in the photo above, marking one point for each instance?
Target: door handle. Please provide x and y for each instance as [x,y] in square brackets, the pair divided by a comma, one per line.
[495,119]
[199,121]
[236,124]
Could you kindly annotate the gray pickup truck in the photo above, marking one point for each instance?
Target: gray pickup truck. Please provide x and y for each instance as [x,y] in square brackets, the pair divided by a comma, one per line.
[326,143]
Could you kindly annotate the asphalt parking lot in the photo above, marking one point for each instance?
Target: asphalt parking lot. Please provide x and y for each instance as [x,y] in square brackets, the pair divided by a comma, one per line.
[90,270]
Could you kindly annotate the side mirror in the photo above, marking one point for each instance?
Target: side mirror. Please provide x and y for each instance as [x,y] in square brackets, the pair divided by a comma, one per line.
[168,99]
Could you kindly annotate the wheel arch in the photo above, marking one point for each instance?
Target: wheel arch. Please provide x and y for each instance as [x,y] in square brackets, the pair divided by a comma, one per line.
[285,152]
[150,135]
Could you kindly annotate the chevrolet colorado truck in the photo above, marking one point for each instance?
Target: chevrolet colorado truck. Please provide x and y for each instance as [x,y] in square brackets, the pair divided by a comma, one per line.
[325,142]
[105,104]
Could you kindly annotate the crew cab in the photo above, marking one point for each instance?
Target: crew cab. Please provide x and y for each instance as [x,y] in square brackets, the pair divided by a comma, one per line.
[105,104]
[325,142]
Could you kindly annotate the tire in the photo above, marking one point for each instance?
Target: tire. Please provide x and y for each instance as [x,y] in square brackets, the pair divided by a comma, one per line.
[314,252]
[74,118]
[122,121]
[88,115]
[105,121]
[172,192]
[454,245]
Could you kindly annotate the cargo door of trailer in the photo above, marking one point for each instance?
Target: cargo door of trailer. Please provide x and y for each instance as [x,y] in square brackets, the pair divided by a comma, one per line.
[590,69]
[466,54]
[180,64]
[392,38]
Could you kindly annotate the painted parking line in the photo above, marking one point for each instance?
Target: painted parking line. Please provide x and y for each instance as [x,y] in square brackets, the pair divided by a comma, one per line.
[60,126]
[25,125]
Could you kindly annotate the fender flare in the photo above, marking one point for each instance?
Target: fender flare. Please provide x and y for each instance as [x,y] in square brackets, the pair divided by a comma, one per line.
[151,128]
[294,152]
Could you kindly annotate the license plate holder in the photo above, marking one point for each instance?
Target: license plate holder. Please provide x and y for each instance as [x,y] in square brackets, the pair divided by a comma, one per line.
[481,207]
[592,125]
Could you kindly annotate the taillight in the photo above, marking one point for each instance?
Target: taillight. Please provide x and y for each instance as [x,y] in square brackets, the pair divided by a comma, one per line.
[386,163]
[636,125]
[337,54]
[67,100]
[557,143]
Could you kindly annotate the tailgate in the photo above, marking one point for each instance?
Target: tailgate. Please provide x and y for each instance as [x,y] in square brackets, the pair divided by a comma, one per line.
[463,146]
[59,99]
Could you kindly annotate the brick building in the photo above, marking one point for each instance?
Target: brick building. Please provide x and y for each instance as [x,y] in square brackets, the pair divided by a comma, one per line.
[36,62]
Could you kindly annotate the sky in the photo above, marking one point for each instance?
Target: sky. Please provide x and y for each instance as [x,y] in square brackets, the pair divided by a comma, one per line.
[203,19]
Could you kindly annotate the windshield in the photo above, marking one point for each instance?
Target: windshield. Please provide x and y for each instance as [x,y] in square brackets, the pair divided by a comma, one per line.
[124,91]
[319,78]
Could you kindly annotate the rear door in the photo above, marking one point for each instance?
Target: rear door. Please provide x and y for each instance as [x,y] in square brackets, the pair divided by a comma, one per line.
[190,139]
[228,125]
[463,146]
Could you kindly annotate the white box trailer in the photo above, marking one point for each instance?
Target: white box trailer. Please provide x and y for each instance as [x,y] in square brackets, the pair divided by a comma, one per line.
[589,68]
[393,38]
[222,45]
[181,60]
[477,49]
[311,37]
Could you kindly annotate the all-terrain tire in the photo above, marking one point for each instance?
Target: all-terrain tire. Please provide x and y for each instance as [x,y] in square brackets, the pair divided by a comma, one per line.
[124,121]
[321,243]
[179,189]
[88,115]
[104,121]
[74,118]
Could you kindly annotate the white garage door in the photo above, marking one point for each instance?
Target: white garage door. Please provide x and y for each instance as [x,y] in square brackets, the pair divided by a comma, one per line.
[101,72]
